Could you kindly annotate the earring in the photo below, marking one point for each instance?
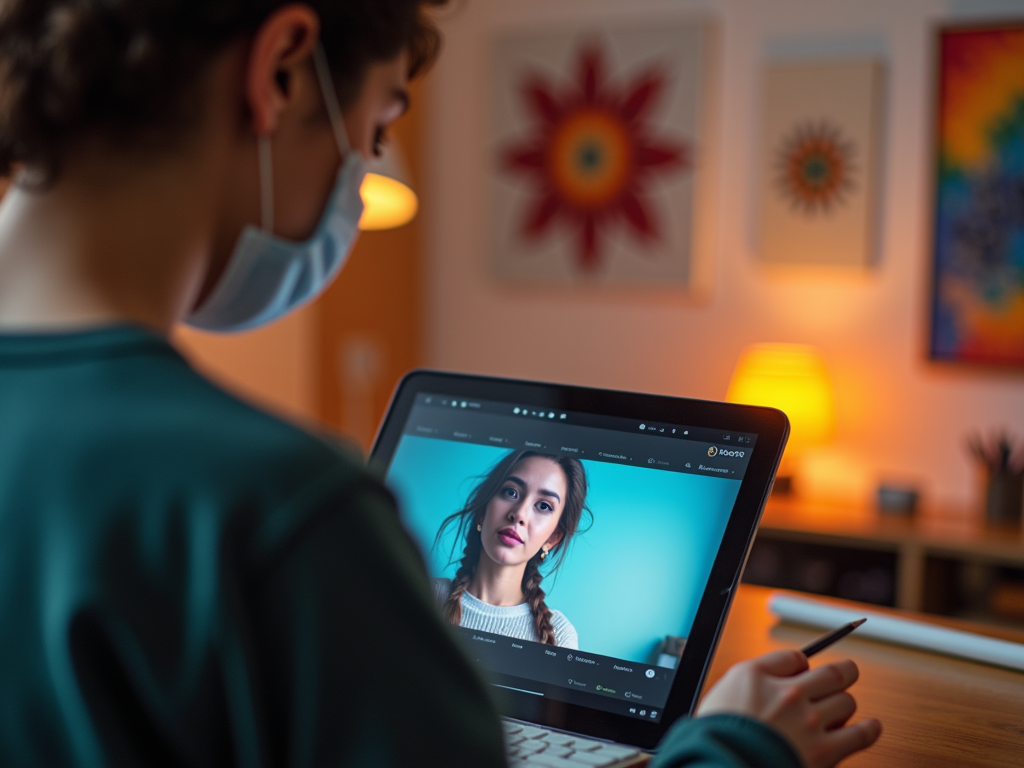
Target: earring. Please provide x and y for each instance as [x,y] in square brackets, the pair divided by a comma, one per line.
[479,527]
[543,554]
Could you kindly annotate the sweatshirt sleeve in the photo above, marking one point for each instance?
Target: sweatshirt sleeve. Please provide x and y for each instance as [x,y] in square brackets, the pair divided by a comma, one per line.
[357,666]
[724,741]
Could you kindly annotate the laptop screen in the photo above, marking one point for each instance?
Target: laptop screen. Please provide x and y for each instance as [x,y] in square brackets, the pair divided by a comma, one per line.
[571,550]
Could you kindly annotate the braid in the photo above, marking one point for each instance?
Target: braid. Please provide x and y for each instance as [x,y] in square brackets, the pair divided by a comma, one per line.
[535,598]
[467,567]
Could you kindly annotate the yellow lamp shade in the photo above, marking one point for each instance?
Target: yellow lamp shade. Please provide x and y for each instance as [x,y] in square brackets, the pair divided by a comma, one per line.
[794,379]
[388,199]
[388,203]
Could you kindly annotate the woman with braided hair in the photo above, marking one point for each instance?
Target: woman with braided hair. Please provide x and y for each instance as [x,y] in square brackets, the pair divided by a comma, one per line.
[519,519]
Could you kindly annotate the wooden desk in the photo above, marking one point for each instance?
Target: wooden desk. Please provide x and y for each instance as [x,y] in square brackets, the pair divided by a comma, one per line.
[935,711]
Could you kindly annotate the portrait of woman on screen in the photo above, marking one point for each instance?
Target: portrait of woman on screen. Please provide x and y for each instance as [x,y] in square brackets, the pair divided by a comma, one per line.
[517,524]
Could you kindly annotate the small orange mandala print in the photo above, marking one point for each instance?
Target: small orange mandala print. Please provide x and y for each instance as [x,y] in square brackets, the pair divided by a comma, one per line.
[814,168]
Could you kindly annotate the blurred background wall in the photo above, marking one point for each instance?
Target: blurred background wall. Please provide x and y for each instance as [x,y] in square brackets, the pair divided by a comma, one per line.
[422,295]
[898,416]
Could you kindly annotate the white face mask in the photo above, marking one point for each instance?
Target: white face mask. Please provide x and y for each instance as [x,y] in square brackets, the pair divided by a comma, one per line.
[267,276]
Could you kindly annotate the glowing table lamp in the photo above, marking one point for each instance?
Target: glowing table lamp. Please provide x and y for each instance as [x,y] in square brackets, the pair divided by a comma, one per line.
[794,379]
[388,199]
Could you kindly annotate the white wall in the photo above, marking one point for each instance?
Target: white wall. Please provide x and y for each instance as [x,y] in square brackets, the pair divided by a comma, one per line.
[900,417]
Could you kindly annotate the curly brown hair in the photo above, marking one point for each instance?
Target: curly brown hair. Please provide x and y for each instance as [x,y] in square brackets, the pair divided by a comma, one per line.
[126,70]
[467,518]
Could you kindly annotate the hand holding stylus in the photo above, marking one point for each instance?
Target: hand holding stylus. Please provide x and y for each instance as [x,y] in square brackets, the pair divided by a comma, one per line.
[810,707]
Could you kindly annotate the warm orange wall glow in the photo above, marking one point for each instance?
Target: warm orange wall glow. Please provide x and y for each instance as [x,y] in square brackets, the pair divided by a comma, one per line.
[792,378]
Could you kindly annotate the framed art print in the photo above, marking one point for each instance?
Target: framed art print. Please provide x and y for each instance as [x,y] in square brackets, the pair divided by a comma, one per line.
[597,154]
[977,298]
[818,164]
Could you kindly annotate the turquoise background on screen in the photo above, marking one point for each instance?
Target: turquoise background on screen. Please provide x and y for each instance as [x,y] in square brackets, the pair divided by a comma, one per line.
[636,576]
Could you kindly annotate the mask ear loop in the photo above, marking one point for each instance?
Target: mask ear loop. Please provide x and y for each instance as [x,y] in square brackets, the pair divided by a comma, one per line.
[266,185]
[323,74]
[266,164]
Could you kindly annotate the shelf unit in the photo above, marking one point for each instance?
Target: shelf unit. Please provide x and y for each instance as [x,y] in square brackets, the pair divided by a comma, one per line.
[943,561]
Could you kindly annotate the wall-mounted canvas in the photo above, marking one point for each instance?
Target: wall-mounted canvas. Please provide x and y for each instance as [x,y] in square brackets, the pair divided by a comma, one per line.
[598,155]
[819,147]
[978,249]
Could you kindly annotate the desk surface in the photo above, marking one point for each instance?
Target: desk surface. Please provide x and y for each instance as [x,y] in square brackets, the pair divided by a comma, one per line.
[935,710]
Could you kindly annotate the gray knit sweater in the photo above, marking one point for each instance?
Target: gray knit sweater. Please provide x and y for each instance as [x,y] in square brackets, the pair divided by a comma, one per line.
[511,621]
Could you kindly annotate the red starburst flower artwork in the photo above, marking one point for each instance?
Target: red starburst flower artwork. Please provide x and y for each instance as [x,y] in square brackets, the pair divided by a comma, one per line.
[592,155]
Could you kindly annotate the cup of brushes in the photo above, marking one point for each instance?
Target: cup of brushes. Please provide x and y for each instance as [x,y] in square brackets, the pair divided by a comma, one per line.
[1003,465]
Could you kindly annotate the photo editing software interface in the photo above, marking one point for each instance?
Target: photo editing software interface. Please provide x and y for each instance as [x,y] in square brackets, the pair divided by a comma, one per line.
[631,514]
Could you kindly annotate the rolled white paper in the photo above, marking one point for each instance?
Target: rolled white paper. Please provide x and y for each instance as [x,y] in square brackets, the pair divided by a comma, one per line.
[914,634]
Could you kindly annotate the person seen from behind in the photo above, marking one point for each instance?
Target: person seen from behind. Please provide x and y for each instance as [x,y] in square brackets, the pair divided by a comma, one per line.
[184,579]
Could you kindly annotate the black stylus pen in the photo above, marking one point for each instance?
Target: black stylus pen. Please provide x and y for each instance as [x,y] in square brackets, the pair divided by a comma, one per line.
[825,641]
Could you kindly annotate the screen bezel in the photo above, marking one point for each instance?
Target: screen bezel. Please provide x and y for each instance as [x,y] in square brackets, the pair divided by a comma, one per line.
[772,429]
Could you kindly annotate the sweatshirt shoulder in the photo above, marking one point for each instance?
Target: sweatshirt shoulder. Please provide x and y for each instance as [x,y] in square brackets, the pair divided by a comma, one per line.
[204,432]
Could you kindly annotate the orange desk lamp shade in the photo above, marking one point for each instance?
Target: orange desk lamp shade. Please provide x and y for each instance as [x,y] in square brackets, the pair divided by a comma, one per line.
[794,379]
[388,199]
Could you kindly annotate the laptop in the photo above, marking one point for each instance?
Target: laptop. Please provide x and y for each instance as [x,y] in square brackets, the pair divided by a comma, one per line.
[585,544]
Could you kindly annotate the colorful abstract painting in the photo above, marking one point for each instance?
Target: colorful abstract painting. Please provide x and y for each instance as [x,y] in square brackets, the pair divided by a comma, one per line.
[596,154]
[819,144]
[978,286]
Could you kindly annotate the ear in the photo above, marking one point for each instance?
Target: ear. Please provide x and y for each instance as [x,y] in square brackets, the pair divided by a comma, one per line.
[554,539]
[280,48]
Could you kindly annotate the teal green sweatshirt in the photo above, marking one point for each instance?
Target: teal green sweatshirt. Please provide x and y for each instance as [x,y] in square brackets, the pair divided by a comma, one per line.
[185,580]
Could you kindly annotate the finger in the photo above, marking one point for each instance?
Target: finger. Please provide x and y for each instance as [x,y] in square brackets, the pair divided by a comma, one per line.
[781,663]
[835,710]
[828,679]
[845,741]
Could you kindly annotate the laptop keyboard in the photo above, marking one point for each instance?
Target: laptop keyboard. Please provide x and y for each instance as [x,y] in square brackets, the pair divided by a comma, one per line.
[528,746]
